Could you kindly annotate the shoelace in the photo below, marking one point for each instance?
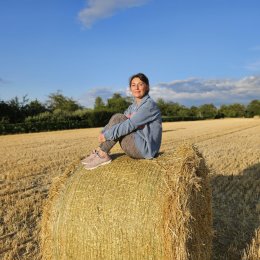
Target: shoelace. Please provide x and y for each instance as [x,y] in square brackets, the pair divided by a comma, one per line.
[96,152]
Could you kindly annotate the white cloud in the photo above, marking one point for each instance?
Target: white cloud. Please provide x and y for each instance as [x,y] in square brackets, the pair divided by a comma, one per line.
[100,9]
[217,91]
[191,91]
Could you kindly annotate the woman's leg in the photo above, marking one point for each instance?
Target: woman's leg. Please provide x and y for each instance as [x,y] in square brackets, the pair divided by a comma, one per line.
[101,157]
[127,143]
[115,119]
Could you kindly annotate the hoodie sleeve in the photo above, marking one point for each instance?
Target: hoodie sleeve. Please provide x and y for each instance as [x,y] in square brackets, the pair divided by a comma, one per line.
[128,110]
[148,112]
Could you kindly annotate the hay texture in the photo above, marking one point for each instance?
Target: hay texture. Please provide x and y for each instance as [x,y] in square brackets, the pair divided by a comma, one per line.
[156,209]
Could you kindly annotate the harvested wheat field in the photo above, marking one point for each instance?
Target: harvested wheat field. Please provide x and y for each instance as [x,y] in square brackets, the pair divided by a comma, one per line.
[231,148]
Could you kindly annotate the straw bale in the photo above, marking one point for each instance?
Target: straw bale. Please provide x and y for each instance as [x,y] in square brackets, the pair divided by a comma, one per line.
[156,209]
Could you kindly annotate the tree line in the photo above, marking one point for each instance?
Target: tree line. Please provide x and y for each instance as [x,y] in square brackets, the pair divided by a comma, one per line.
[61,112]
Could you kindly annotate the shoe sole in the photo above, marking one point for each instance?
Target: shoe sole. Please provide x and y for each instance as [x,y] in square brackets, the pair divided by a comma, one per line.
[104,163]
[84,163]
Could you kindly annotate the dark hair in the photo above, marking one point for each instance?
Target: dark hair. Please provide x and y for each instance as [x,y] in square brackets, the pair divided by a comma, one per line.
[142,77]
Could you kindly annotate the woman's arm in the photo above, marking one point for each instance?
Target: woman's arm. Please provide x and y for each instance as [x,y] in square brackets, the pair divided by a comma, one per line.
[148,112]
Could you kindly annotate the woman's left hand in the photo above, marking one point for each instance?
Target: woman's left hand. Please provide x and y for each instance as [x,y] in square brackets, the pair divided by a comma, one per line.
[101,138]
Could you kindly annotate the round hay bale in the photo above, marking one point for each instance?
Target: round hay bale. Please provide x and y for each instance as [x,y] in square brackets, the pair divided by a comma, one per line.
[156,209]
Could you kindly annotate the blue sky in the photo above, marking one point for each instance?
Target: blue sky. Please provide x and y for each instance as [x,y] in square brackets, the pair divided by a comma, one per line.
[193,51]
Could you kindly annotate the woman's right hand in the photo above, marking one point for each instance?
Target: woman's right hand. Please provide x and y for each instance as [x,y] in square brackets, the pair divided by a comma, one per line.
[101,138]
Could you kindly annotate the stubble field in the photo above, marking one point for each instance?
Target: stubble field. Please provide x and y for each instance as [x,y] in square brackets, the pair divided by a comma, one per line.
[231,147]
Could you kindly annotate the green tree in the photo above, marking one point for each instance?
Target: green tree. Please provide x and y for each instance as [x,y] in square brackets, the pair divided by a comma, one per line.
[194,111]
[184,112]
[117,103]
[173,109]
[17,109]
[35,107]
[223,111]
[253,108]
[99,104]
[208,111]
[59,101]
[162,106]
[5,112]
[233,110]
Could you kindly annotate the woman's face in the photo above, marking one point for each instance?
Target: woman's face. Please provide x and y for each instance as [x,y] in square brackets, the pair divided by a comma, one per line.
[138,88]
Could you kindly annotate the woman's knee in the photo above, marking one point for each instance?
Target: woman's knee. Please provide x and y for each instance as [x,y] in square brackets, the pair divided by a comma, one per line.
[117,118]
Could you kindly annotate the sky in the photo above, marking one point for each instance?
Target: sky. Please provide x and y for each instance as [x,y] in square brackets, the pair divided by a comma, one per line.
[193,51]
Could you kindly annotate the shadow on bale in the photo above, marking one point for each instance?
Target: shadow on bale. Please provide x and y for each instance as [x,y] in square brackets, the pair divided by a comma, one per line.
[236,212]
[115,156]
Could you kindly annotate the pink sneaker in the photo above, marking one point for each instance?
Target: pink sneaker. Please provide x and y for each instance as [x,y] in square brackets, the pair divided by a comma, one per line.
[96,161]
[89,158]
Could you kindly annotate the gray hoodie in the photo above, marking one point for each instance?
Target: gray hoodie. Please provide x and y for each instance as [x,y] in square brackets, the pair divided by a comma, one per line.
[146,123]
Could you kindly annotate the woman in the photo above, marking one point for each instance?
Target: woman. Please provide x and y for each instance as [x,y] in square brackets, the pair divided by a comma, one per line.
[138,130]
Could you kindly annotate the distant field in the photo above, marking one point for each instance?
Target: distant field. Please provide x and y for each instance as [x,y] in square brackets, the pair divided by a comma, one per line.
[231,147]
